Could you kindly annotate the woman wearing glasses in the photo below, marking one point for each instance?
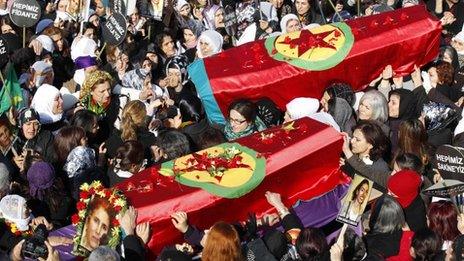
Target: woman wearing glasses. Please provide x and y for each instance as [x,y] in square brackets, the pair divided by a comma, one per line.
[243,120]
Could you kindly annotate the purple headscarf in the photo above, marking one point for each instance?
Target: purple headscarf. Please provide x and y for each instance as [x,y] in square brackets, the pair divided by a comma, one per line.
[208,14]
[83,62]
[41,176]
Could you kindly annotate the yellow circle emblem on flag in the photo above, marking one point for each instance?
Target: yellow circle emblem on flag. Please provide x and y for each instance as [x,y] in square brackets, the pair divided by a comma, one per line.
[318,48]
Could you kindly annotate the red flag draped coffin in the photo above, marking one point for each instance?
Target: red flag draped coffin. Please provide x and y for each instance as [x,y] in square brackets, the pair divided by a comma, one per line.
[294,167]
[302,64]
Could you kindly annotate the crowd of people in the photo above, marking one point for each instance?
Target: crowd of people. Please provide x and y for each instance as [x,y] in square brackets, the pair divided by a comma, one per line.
[91,111]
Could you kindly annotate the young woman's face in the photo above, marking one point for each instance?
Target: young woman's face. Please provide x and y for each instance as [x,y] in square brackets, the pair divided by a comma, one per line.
[364,110]
[102,93]
[277,3]
[206,48]
[57,105]
[302,6]
[293,25]
[237,121]
[62,5]
[89,33]
[185,10]
[95,127]
[189,37]
[394,106]
[7,29]
[98,226]
[58,41]
[359,144]
[362,193]
[433,74]
[30,129]
[168,46]
[5,136]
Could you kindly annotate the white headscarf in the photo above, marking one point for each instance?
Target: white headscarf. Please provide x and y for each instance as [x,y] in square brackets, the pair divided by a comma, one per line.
[47,43]
[214,39]
[284,21]
[81,47]
[302,107]
[180,4]
[43,103]
[12,208]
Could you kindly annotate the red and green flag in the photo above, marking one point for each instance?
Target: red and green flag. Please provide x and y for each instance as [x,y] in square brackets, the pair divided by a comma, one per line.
[302,64]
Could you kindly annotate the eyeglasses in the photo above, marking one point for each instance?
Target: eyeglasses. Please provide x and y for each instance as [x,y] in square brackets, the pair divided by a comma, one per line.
[238,122]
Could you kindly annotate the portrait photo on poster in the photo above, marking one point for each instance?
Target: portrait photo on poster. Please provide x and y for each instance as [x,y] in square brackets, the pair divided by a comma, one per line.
[355,201]
[97,224]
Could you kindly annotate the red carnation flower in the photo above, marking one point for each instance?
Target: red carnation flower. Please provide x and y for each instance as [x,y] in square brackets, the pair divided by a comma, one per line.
[17,233]
[115,222]
[80,205]
[84,195]
[91,191]
[117,208]
[75,219]
[107,193]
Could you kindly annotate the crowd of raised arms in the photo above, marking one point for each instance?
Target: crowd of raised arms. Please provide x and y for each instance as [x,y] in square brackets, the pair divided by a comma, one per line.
[95,111]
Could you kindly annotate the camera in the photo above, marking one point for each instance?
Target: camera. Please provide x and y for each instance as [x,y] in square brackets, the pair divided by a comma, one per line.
[34,247]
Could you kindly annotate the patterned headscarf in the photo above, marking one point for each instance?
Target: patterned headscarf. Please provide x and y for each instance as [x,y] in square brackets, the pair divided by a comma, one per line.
[79,160]
[209,15]
[179,62]
[12,209]
[90,81]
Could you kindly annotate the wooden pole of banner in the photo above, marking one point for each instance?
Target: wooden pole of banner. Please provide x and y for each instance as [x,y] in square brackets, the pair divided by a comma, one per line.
[101,51]
[341,236]
[336,12]
[359,7]
[24,37]
[1,78]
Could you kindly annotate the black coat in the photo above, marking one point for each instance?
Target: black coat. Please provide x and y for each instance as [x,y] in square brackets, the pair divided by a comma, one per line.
[144,136]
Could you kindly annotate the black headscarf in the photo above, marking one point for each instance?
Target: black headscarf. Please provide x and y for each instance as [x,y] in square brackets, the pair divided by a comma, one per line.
[383,244]
[408,104]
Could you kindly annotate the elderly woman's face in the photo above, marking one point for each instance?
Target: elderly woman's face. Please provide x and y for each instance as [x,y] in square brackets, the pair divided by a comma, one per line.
[359,144]
[30,129]
[365,110]
[168,46]
[394,106]
[206,48]
[219,18]
[98,225]
[293,25]
[101,93]
[237,121]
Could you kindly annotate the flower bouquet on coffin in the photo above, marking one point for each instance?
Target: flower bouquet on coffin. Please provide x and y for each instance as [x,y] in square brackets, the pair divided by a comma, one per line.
[228,170]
